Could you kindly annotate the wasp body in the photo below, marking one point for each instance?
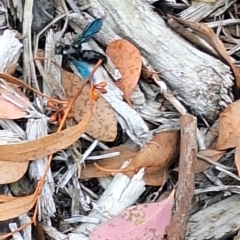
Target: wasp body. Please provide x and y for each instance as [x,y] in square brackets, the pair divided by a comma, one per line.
[75,53]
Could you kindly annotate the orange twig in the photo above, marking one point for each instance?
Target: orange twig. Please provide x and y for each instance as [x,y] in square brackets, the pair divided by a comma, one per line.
[17,230]
[11,79]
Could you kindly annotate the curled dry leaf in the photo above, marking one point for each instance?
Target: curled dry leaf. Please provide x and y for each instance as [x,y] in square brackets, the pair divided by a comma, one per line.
[229,131]
[103,125]
[127,59]
[17,207]
[144,221]
[206,33]
[154,156]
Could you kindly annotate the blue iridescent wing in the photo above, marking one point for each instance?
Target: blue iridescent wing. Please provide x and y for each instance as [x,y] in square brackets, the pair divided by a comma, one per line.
[82,68]
[90,30]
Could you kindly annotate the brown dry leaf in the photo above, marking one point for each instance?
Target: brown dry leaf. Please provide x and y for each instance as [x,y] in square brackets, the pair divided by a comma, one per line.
[154,156]
[12,171]
[127,59]
[32,150]
[115,162]
[125,153]
[17,207]
[9,110]
[206,33]
[202,165]
[237,158]
[103,125]
[229,131]
[39,148]
[4,198]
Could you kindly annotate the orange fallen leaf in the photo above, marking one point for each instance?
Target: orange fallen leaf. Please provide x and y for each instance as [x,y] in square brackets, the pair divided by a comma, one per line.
[143,221]
[103,125]
[154,156]
[12,171]
[39,148]
[127,59]
[17,207]
[229,131]
[213,40]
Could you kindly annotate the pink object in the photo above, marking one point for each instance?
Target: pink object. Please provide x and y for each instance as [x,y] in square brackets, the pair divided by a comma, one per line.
[146,221]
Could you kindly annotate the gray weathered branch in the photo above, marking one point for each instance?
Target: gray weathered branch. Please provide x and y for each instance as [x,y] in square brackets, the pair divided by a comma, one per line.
[201,81]
[219,221]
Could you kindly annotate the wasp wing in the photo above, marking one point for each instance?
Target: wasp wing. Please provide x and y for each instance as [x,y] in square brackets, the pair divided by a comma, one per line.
[82,68]
[90,30]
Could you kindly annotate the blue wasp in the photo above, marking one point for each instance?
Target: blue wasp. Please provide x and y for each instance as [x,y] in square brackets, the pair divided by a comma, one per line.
[79,57]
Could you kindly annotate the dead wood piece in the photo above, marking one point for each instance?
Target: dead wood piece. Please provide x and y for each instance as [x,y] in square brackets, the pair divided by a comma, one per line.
[200,10]
[195,77]
[185,189]
[219,221]
[43,13]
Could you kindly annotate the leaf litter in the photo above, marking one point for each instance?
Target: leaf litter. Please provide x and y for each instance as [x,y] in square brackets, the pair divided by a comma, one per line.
[103,124]
[127,59]
[154,157]
[157,157]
